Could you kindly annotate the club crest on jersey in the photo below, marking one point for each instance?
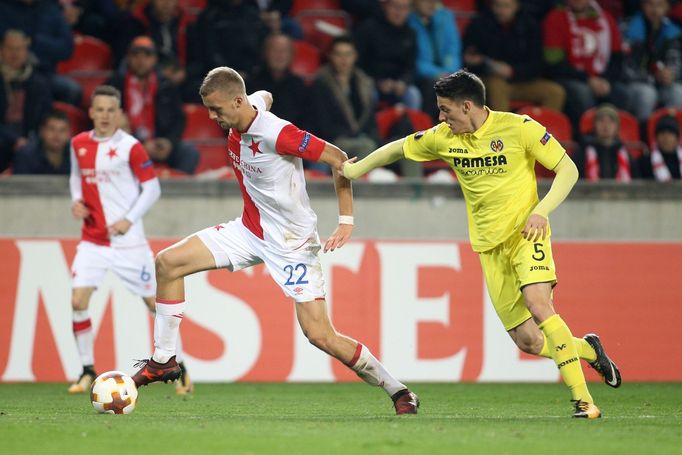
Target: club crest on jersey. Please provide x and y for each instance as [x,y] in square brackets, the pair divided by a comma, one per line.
[304,142]
[496,145]
[82,151]
[545,138]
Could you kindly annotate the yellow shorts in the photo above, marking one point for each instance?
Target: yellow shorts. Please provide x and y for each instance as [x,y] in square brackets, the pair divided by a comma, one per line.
[509,267]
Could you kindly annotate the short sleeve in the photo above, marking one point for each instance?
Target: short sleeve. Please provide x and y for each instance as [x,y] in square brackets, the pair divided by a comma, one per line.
[296,142]
[257,101]
[540,143]
[140,163]
[421,146]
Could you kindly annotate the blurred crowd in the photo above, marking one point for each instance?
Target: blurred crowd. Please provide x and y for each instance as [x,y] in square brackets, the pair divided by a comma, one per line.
[604,76]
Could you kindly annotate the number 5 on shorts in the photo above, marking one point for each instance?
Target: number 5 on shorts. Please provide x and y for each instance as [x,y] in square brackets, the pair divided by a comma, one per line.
[290,269]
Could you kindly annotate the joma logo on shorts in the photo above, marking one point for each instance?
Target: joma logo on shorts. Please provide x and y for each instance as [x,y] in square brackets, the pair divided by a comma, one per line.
[538,267]
[566,362]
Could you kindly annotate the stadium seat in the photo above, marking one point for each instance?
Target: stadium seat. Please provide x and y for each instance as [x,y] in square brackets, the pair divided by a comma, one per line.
[655,116]
[198,126]
[385,119]
[306,60]
[458,6]
[79,120]
[629,130]
[558,125]
[88,82]
[213,155]
[320,27]
[300,6]
[89,54]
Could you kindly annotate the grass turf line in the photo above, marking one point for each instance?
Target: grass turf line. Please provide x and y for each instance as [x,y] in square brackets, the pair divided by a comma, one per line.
[343,418]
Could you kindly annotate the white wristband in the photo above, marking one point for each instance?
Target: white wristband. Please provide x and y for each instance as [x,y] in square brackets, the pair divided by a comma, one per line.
[345,219]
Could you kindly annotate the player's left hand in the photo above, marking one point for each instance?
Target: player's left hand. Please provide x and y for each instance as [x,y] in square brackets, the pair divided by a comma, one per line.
[536,228]
[339,237]
[120,227]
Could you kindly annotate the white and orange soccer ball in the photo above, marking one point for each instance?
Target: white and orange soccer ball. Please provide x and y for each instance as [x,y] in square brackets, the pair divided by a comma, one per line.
[113,392]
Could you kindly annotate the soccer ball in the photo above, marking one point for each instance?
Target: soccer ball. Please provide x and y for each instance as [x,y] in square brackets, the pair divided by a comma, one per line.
[113,392]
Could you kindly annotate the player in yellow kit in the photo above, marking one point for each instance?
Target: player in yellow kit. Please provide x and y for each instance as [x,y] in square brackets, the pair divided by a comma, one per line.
[494,154]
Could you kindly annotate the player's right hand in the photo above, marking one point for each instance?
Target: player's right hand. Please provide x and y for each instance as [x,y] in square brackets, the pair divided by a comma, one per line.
[343,167]
[79,210]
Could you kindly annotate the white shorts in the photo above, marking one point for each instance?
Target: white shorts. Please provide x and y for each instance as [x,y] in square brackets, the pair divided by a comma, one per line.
[298,272]
[134,266]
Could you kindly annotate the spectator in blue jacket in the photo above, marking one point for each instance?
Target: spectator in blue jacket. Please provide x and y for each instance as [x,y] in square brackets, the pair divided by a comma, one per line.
[653,66]
[51,40]
[438,47]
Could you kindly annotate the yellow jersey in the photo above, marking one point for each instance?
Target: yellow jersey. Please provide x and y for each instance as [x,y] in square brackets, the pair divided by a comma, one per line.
[495,166]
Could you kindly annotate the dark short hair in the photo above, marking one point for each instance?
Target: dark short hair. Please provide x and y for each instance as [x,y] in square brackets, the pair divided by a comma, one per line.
[106,90]
[460,86]
[54,114]
[341,39]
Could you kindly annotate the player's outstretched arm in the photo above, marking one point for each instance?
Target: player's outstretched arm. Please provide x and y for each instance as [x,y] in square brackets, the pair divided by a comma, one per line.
[386,154]
[335,157]
[566,176]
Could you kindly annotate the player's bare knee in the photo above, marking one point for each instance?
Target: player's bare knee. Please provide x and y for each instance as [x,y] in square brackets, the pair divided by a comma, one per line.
[165,266]
[78,303]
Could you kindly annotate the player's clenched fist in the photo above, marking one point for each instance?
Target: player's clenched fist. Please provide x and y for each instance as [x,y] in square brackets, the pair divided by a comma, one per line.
[79,210]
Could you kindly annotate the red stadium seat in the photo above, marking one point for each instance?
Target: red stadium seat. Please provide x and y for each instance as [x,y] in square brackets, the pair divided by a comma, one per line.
[198,126]
[662,112]
[558,126]
[303,5]
[306,60]
[321,27]
[213,155]
[458,6]
[89,54]
[88,82]
[629,130]
[79,120]
[386,118]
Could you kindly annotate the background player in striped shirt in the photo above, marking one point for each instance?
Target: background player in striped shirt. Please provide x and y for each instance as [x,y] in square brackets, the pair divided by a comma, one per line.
[113,184]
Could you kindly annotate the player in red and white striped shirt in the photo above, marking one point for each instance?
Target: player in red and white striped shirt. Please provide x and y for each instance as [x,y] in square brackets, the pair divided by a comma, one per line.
[278,227]
[113,184]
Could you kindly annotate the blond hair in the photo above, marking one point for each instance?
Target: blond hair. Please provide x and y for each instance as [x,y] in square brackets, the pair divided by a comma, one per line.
[224,79]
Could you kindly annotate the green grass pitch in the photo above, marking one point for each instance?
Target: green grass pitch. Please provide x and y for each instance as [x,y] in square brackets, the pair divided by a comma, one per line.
[351,418]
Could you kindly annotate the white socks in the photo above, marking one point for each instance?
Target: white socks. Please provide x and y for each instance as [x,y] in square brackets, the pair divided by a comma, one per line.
[82,331]
[370,370]
[166,328]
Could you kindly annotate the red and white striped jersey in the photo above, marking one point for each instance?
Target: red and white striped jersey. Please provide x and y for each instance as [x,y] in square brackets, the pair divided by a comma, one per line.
[267,160]
[110,171]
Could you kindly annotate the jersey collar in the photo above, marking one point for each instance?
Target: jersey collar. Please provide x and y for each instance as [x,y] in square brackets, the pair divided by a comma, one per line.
[483,128]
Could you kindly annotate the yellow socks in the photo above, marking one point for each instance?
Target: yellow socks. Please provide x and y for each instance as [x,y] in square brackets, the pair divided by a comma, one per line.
[585,351]
[564,352]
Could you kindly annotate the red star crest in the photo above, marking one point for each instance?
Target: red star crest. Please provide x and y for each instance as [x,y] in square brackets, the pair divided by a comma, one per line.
[254,147]
[218,227]
[112,153]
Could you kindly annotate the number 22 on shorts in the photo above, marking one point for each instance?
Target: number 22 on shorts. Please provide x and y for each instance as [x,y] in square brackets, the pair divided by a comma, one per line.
[296,274]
